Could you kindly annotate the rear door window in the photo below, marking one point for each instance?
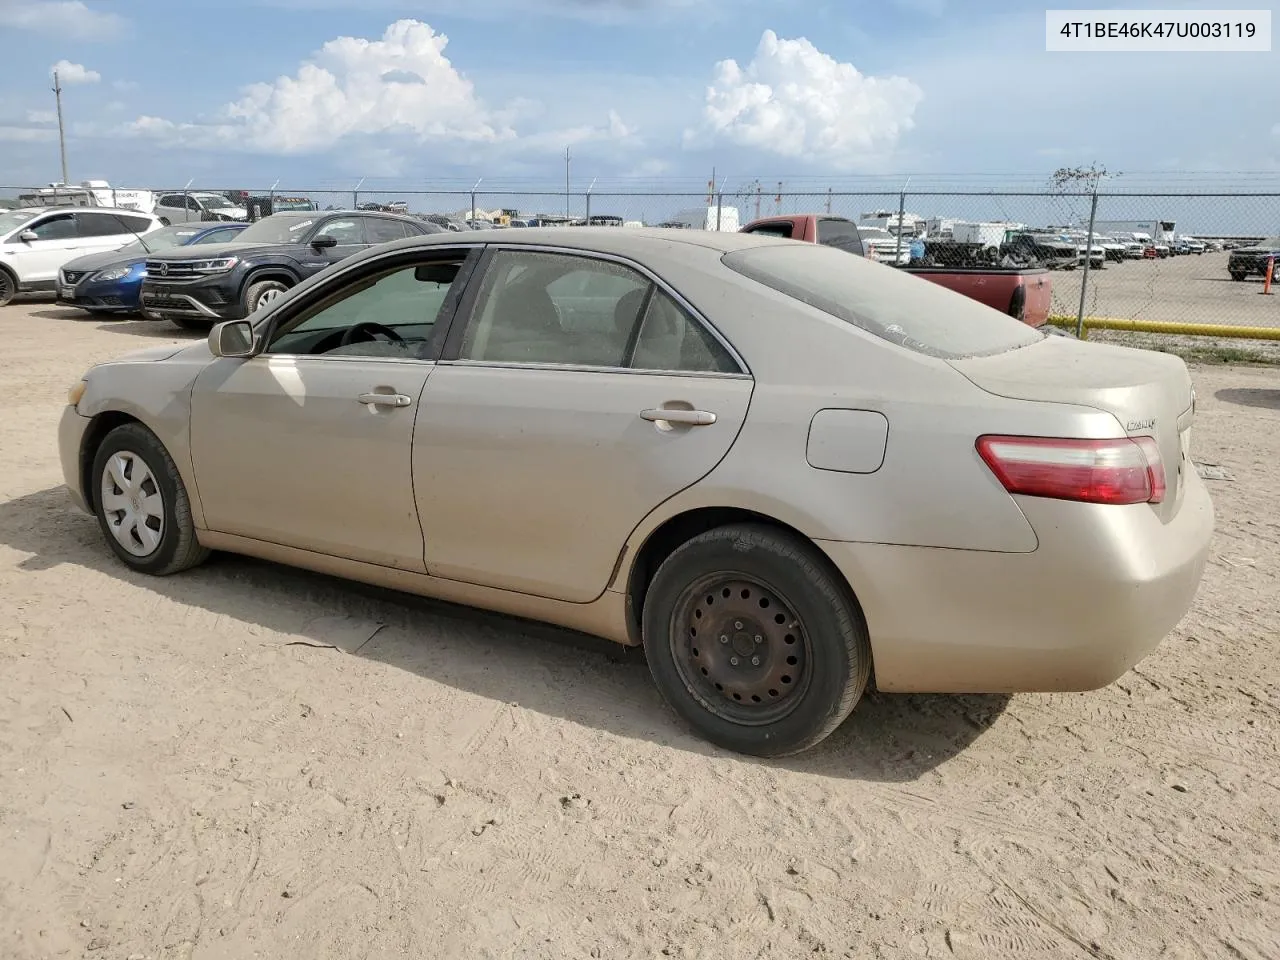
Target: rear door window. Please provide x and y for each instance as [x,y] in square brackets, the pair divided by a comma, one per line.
[779,229]
[841,234]
[906,310]
[103,225]
[383,231]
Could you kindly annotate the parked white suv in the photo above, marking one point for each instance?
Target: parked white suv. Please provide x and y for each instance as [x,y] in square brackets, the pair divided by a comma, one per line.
[186,207]
[36,241]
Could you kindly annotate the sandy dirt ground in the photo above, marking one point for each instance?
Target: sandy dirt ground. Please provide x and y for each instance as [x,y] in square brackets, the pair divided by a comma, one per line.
[1189,289]
[250,761]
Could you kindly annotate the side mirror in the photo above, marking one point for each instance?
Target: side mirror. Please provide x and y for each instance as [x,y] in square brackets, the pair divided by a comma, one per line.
[26,236]
[232,338]
[323,243]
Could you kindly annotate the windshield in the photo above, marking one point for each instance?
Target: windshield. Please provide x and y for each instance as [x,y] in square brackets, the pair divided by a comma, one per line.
[875,233]
[215,201]
[1270,242]
[276,229]
[883,301]
[11,219]
[278,204]
[163,239]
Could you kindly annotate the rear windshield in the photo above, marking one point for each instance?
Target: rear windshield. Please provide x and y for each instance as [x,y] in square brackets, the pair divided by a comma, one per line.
[909,311]
[841,234]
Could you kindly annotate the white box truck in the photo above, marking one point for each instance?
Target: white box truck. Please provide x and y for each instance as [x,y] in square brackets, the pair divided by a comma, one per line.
[983,234]
[1161,231]
[724,218]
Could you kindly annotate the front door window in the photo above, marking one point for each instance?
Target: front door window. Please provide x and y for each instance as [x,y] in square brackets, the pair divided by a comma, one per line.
[392,315]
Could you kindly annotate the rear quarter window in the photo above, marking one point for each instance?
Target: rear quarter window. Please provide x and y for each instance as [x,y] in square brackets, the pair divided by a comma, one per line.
[895,306]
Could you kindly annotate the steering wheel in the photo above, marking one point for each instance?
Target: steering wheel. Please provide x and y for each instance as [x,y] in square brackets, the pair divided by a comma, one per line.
[366,330]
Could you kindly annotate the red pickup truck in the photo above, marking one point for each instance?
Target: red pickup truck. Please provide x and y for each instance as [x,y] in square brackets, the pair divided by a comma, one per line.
[1022,292]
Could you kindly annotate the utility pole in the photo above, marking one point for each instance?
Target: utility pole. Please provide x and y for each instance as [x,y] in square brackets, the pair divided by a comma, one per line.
[62,136]
[828,200]
[758,192]
[566,183]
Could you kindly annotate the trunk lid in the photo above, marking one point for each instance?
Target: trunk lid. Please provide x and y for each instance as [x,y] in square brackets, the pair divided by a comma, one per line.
[1149,393]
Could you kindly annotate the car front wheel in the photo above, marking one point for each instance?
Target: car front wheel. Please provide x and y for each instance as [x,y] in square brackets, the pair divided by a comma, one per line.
[142,503]
[259,294]
[8,287]
[754,641]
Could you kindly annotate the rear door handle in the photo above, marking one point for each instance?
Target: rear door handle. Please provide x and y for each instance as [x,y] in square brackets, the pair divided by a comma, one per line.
[386,399]
[688,418]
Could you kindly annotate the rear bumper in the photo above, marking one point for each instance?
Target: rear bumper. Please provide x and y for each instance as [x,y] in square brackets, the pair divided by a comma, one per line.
[71,431]
[1104,587]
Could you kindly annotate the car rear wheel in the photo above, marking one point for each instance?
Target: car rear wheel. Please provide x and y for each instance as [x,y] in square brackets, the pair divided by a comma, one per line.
[1236,275]
[259,294]
[164,221]
[8,287]
[754,641]
[141,503]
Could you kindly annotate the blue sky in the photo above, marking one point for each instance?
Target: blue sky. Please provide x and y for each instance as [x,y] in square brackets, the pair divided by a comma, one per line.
[314,92]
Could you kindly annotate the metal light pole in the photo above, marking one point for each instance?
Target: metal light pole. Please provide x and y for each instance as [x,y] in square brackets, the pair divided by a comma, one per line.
[566,183]
[590,187]
[473,200]
[902,207]
[62,136]
[355,195]
[1088,256]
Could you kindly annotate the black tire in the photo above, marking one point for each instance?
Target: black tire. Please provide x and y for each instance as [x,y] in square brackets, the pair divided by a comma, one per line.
[8,287]
[819,630]
[193,323]
[1237,276]
[178,549]
[164,221]
[255,291]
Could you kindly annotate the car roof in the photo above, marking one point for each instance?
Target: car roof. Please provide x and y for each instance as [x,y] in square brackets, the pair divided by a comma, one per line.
[634,241]
[82,208]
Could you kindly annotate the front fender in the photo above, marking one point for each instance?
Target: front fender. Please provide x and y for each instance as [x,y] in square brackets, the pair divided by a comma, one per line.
[157,395]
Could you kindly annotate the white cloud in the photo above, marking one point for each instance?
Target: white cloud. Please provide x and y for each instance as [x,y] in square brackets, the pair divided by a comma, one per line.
[379,98]
[796,101]
[64,19]
[41,116]
[69,72]
[26,134]
[401,84]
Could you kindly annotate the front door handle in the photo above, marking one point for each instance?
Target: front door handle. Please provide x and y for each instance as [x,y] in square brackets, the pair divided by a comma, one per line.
[686,418]
[386,399]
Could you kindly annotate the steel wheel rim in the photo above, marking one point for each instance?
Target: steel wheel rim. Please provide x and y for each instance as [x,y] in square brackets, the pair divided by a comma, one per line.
[266,297]
[741,649]
[132,503]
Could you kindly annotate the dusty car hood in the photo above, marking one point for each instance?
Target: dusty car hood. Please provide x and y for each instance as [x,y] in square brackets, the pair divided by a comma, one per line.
[100,261]
[162,353]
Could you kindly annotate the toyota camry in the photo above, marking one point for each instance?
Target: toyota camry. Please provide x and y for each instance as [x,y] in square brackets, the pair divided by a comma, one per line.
[780,469]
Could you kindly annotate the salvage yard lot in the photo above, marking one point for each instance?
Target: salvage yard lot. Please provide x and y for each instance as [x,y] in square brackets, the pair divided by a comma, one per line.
[248,760]
[1186,289]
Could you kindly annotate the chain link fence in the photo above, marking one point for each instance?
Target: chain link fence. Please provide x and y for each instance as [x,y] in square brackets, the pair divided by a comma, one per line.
[1173,258]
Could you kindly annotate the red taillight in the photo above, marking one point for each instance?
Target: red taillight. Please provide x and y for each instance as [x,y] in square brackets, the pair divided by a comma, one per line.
[1123,470]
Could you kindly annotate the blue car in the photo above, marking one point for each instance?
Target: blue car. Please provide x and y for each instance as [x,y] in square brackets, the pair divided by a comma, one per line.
[112,282]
